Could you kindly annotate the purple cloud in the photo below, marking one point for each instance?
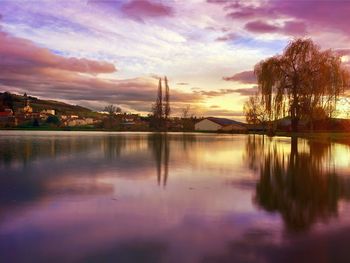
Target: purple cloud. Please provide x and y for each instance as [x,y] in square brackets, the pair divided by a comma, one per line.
[25,67]
[343,51]
[246,77]
[139,10]
[22,55]
[228,37]
[261,27]
[247,91]
[321,14]
[214,93]
[289,27]
[326,14]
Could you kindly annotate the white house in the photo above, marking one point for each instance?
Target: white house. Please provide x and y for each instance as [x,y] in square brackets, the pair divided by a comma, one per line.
[79,122]
[48,112]
[217,124]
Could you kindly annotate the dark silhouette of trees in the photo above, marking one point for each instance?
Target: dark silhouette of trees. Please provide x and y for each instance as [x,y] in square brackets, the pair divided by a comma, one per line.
[161,112]
[36,123]
[112,109]
[53,119]
[112,121]
[166,102]
[254,110]
[8,101]
[158,108]
[302,82]
[187,119]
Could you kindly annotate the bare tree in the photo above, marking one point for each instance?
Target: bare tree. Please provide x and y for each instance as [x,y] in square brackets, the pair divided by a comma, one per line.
[185,112]
[186,118]
[112,109]
[255,111]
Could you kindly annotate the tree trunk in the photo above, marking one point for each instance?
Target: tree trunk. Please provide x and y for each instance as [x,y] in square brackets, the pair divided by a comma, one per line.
[295,124]
[293,150]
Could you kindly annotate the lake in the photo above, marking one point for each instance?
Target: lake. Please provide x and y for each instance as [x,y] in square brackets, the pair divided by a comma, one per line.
[146,197]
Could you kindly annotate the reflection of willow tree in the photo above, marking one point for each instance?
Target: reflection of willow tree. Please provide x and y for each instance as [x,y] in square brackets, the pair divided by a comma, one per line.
[159,143]
[254,150]
[298,185]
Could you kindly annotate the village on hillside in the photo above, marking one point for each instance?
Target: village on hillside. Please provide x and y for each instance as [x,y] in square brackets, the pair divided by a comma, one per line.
[27,112]
[22,112]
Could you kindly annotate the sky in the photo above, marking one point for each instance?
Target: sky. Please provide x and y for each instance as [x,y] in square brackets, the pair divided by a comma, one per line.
[99,52]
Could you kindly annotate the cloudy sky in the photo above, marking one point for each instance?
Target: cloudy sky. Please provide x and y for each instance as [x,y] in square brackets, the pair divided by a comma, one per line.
[97,52]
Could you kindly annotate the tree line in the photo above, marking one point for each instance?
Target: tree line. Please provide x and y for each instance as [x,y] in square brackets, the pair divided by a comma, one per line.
[303,83]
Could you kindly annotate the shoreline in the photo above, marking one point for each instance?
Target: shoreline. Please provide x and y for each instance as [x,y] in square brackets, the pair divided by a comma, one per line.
[311,135]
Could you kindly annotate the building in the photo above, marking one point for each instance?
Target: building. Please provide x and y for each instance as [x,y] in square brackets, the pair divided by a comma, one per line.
[235,127]
[78,122]
[44,114]
[48,112]
[27,109]
[219,124]
[7,118]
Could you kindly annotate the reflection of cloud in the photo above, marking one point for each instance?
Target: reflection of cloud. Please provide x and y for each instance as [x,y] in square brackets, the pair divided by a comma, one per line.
[140,222]
[151,250]
[259,248]
[67,186]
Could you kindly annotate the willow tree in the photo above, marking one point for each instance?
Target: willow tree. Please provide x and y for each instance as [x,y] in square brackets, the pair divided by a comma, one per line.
[302,82]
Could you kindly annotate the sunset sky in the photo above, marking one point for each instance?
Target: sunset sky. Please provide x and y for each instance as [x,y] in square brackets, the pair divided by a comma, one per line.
[99,52]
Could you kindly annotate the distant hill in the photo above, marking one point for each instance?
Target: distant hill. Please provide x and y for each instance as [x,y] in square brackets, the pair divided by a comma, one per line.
[39,105]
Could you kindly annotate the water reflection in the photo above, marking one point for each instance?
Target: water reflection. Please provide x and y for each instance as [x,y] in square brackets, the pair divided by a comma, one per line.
[144,197]
[159,143]
[301,185]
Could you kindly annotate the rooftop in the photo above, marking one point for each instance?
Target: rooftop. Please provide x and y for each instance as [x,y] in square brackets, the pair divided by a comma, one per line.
[224,121]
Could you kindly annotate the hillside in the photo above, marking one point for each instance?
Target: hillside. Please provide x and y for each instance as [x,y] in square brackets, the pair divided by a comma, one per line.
[40,104]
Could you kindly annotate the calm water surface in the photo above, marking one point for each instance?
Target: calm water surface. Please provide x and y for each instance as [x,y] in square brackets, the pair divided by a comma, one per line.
[138,197]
